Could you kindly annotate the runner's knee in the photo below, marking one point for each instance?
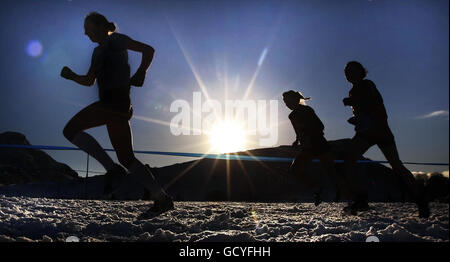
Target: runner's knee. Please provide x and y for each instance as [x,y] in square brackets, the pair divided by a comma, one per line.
[70,131]
[125,159]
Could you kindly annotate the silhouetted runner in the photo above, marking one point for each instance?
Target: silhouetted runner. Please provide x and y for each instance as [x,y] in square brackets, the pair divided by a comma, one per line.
[309,134]
[109,65]
[371,126]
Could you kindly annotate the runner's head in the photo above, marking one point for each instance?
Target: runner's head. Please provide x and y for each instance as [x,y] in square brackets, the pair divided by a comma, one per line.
[97,27]
[292,98]
[354,72]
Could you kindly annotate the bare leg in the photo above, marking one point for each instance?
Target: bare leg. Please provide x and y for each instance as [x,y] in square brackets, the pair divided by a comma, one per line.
[391,154]
[341,183]
[121,138]
[419,196]
[89,117]
[298,167]
[357,148]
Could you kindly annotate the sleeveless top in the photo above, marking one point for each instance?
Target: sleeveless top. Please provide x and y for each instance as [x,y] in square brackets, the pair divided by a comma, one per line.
[306,123]
[367,104]
[110,64]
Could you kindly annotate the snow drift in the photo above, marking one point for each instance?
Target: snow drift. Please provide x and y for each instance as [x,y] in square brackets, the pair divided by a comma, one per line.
[40,219]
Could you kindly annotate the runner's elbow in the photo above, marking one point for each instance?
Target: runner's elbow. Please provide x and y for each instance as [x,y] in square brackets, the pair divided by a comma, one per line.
[89,81]
[149,50]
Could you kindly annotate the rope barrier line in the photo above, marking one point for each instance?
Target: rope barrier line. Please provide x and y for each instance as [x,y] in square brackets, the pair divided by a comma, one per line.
[212,156]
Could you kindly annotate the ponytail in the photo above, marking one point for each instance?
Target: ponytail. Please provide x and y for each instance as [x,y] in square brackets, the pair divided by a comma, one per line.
[100,20]
[111,27]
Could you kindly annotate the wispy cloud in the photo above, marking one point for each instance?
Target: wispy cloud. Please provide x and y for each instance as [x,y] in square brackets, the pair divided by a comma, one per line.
[434,114]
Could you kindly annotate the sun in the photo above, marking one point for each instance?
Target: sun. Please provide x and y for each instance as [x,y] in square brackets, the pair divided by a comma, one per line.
[227,136]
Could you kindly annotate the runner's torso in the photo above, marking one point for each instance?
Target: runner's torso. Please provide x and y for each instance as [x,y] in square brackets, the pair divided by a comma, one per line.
[110,62]
[306,123]
[368,103]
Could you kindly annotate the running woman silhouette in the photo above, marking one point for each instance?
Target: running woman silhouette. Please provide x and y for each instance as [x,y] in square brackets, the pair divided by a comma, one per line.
[109,66]
[311,144]
[371,126]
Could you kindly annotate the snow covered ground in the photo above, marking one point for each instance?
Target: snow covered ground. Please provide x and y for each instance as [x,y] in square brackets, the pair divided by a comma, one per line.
[41,219]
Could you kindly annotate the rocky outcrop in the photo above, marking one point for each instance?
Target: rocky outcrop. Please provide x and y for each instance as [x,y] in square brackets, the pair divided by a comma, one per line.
[19,166]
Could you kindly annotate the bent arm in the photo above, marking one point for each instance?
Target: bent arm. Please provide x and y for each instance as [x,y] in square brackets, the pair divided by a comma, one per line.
[94,68]
[85,80]
[147,53]
[297,125]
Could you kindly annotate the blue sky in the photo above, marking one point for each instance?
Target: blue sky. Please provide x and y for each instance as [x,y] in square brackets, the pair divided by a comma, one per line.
[403,44]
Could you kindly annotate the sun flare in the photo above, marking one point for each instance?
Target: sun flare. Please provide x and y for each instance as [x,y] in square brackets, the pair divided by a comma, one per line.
[226,137]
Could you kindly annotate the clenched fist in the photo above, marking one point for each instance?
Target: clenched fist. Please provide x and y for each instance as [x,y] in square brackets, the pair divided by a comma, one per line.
[67,73]
[138,78]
